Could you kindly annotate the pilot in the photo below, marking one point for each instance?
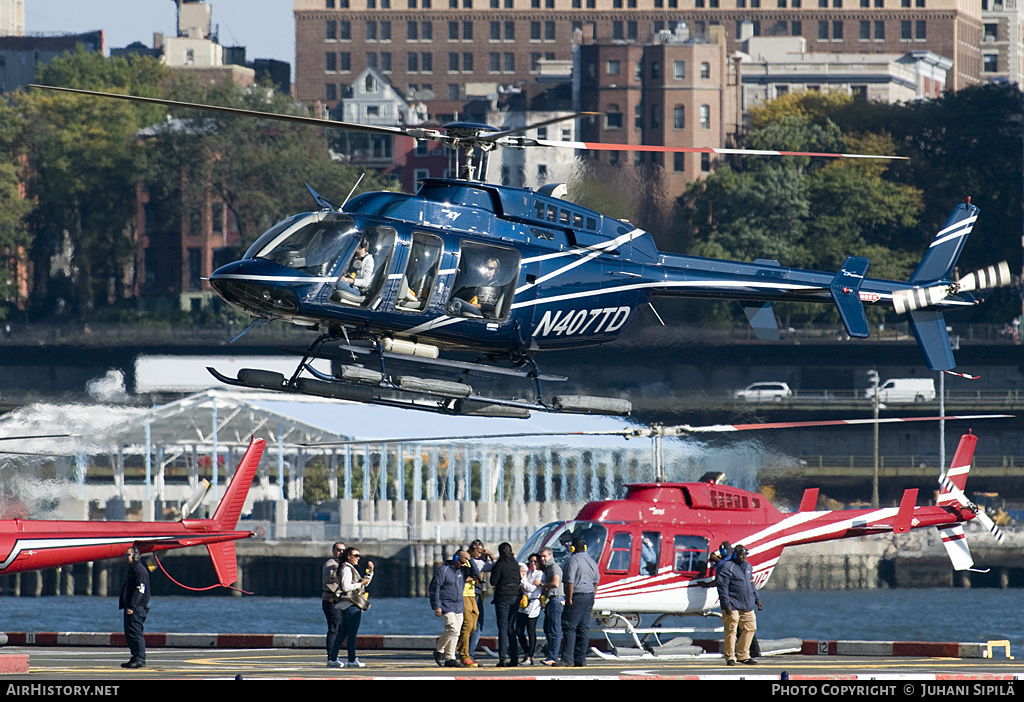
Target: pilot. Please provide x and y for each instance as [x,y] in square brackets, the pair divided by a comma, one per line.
[479,300]
[359,277]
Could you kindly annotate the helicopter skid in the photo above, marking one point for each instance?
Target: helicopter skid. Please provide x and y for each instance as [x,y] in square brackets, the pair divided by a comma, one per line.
[357,384]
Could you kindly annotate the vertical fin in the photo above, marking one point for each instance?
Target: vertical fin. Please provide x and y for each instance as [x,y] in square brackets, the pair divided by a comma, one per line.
[845,289]
[939,260]
[224,563]
[809,501]
[230,507]
[956,546]
[929,329]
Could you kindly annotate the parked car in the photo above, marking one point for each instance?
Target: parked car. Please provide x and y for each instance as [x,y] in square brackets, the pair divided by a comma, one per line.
[764,392]
[904,390]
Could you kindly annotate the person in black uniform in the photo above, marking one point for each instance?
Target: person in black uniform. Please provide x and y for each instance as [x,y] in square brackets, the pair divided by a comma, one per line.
[135,603]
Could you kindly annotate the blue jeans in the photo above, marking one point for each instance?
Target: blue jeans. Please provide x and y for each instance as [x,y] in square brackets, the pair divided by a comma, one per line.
[576,624]
[350,618]
[553,629]
[333,613]
[508,647]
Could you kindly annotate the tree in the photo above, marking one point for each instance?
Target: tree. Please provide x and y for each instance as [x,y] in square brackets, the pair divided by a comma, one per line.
[15,236]
[83,158]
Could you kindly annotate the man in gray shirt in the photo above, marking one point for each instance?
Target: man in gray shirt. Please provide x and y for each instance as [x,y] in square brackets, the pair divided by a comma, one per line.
[554,591]
[581,579]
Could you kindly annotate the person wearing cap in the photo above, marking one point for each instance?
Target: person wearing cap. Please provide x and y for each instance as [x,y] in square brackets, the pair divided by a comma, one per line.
[581,579]
[738,597]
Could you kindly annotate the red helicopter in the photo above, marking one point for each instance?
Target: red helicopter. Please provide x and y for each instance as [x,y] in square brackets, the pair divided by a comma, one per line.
[36,544]
[653,546]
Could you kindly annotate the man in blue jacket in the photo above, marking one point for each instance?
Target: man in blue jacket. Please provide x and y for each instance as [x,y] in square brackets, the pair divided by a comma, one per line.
[445,592]
[738,597]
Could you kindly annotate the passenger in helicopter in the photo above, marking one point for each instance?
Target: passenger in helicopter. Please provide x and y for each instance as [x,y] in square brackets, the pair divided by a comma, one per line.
[479,300]
[359,277]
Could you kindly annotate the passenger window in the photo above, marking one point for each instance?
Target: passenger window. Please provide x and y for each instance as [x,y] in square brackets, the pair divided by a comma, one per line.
[485,282]
[552,213]
[650,552]
[365,272]
[577,220]
[622,547]
[563,216]
[691,554]
[420,272]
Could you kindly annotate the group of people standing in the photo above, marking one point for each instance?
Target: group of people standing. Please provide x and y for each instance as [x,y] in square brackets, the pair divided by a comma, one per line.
[521,592]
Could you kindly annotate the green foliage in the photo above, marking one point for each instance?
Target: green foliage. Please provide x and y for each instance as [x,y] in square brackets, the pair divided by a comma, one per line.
[804,212]
[315,488]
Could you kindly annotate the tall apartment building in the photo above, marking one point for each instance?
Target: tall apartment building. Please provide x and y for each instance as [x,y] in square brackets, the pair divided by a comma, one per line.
[1002,45]
[445,51]
[674,92]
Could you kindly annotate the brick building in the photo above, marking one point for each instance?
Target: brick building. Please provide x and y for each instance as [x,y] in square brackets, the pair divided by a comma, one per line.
[435,48]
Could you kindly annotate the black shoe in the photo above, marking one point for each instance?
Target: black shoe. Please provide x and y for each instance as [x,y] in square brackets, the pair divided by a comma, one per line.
[749,661]
[502,664]
[134,664]
[730,662]
[439,658]
[453,663]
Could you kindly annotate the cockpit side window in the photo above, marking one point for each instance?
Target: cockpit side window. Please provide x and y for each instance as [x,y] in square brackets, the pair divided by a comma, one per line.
[485,282]
[363,276]
[420,272]
[313,248]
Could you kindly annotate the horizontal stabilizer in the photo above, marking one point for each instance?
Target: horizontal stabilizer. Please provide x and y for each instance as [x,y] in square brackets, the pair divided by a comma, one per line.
[845,289]
[956,546]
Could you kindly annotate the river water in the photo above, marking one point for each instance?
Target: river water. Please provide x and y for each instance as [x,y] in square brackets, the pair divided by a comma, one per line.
[874,615]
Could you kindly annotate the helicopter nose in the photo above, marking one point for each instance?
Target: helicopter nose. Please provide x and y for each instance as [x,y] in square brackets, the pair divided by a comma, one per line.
[248,287]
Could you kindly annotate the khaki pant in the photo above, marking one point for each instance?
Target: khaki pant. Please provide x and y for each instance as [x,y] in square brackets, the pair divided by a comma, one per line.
[746,621]
[469,617]
[446,641]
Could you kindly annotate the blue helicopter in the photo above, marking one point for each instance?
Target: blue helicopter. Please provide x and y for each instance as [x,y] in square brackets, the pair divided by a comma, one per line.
[392,279]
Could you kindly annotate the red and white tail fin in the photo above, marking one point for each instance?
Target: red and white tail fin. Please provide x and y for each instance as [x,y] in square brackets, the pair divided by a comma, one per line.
[230,507]
[954,481]
[959,552]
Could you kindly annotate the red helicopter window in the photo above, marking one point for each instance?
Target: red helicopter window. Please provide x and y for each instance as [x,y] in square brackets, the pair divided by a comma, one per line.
[650,552]
[691,554]
[622,549]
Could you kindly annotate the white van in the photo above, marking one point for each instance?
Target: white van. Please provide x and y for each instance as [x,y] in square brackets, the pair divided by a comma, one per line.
[904,390]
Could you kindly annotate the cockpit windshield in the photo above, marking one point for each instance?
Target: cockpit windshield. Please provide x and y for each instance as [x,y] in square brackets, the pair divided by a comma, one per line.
[558,536]
[312,244]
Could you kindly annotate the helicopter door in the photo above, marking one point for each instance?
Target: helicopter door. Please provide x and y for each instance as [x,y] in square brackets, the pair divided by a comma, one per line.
[620,553]
[420,273]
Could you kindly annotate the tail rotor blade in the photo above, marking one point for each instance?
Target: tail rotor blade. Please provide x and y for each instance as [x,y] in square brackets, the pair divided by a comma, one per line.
[997,276]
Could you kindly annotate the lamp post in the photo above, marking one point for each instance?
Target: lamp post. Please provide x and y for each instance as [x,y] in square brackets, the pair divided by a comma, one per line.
[873,380]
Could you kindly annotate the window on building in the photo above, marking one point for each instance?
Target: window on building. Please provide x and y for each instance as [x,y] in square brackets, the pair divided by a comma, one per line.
[613,67]
[467,62]
[385,61]
[631,31]
[879,30]
[495,62]
[990,63]
[453,31]
[618,30]
[412,31]
[371,59]
[992,31]
[612,117]
[679,117]
[495,31]
[837,30]
[906,30]
[344,61]
[330,61]
[865,30]
[534,31]
[426,31]
[385,31]
[705,117]
[413,62]
[426,64]
[508,62]
[331,31]
[655,70]
[510,31]
[920,30]
[679,70]
[822,30]
[330,91]
[797,28]
[705,70]
[453,63]
[678,162]
[345,30]
[638,117]
[371,31]
[467,31]
[705,163]
[549,31]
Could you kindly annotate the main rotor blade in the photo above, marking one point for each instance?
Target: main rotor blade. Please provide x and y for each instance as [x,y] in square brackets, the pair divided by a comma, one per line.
[493,136]
[648,432]
[601,146]
[36,436]
[296,119]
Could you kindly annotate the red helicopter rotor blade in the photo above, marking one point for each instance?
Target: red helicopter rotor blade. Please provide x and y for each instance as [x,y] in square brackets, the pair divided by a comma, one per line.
[642,432]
